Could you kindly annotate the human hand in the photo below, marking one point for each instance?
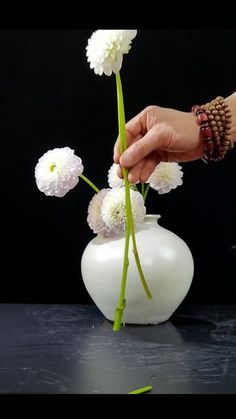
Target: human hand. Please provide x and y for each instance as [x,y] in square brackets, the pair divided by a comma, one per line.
[158,134]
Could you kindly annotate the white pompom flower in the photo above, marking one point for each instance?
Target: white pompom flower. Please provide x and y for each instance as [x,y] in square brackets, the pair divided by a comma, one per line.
[114,180]
[58,171]
[166,176]
[113,209]
[94,218]
[105,49]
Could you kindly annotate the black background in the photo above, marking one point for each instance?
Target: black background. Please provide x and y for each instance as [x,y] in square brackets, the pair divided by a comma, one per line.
[50,98]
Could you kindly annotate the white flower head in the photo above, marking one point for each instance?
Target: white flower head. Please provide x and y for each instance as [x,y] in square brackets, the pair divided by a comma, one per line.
[113,209]
[105,49]
[166,176]
[113,179]
[94,218]
[58,171]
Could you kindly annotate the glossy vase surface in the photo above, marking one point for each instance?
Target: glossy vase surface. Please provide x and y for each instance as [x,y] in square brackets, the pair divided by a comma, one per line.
[167,265]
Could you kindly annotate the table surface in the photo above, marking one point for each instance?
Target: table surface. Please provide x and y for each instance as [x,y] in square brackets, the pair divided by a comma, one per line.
[72,349]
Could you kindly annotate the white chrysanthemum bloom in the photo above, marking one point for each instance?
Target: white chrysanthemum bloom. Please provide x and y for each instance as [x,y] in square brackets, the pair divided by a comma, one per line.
[114,209]
[105,49]
[94,218]
[166,176]
[58,171]
[114,180]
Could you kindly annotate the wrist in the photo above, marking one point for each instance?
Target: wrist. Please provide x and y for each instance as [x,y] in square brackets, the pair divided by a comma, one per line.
[196,134]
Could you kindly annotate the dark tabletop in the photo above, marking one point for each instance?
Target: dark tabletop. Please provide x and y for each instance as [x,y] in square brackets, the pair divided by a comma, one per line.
[72,349]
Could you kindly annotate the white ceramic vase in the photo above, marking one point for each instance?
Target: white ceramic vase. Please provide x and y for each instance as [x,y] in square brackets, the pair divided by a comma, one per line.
[167,265]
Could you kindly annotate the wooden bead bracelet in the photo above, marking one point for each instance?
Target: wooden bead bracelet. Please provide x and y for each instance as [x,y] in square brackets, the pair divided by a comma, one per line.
[215,120]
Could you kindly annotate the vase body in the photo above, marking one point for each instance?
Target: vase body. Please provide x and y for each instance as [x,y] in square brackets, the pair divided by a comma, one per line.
[167,265]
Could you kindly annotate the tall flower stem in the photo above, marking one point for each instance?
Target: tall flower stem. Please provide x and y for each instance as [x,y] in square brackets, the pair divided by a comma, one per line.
[89,183]
[129,216]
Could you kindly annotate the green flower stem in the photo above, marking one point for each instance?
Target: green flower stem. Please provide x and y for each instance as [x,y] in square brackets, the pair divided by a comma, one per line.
[123,146]
[89,183]
[142,189]
[146,192]
[136,255]
[129,217]
[121,302]
[141,390]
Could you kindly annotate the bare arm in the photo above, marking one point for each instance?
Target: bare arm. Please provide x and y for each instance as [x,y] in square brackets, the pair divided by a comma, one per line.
[162,134]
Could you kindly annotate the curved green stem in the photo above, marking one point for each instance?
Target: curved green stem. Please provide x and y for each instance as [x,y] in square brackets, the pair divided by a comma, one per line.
[135,187]
[129,216]
[142,189]
[89,183]
[146,192]
[136,255]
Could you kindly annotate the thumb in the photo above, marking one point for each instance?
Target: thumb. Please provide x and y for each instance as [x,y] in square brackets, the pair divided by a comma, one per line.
[159,137]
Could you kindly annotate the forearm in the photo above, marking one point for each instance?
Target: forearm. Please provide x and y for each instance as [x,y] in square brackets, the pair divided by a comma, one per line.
[231,101]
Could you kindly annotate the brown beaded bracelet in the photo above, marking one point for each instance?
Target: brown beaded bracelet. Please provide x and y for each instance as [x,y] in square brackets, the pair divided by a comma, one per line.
[208,142]
[219,117]
[215,120]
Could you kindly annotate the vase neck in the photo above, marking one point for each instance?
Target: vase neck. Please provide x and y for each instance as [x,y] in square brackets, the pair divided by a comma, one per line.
[151,219]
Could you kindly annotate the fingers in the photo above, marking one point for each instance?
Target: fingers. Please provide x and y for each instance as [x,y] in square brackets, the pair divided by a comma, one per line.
[134,173]
[150,164]
[120,172]
[117,154]
[134,130]
[159,137]
[142,170]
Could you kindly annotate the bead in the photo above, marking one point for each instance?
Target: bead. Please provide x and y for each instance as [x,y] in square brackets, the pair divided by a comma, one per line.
[202,117]
[194,108]
[214,119]
[212,122]
[207,133]
[210,146]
